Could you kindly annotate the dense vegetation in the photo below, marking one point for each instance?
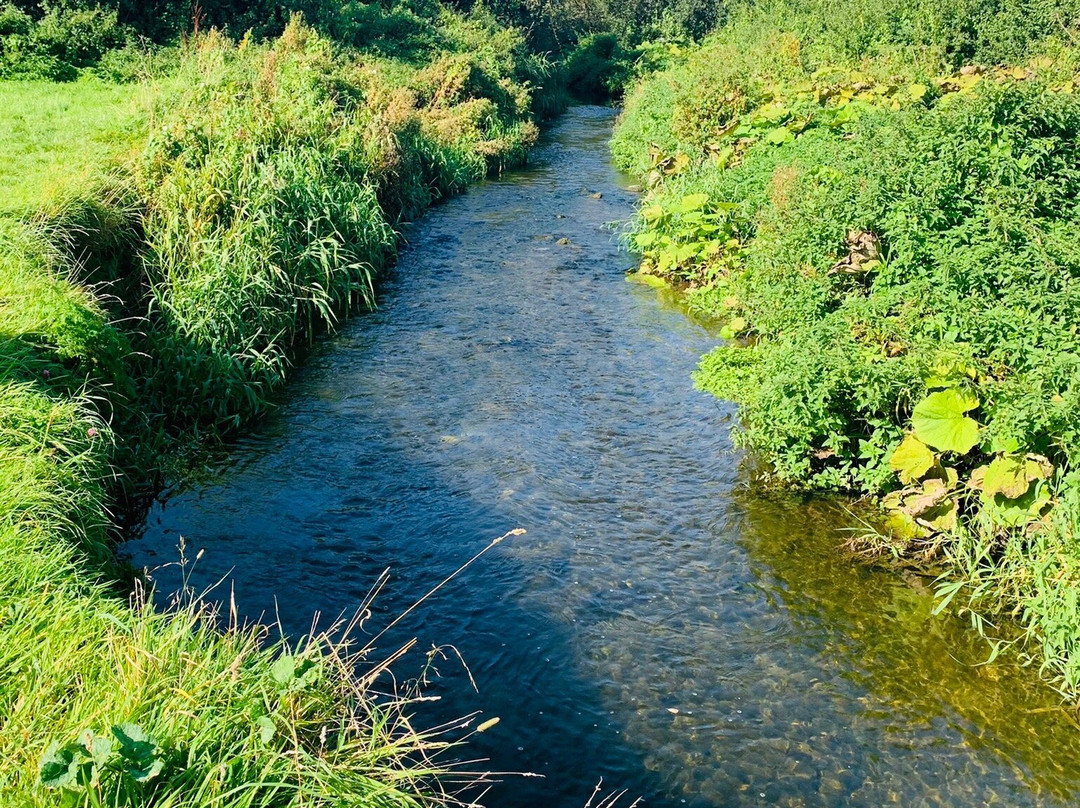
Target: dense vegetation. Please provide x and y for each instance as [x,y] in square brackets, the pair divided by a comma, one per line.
[164,246]
[879,201]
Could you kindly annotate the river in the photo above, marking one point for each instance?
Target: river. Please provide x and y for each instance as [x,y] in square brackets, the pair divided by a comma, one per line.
[659,625]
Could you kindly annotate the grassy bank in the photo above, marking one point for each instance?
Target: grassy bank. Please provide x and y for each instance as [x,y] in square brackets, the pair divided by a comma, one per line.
[164,247]
[883,212]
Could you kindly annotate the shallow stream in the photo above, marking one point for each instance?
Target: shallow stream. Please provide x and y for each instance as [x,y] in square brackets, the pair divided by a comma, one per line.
[659,625]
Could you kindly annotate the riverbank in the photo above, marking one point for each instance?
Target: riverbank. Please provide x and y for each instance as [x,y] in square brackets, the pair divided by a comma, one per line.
[234,207]
[885,218]
[663,625]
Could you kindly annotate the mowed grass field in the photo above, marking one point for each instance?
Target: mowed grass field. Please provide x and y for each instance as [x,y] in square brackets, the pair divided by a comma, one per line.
[53,135]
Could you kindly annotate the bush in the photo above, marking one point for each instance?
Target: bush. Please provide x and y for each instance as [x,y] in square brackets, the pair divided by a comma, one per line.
[58,44]
[599,68]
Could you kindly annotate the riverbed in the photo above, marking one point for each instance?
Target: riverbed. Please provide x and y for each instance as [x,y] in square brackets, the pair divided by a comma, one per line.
[660,625]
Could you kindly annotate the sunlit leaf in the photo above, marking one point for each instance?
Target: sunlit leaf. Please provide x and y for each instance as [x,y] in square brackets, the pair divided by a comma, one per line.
[266,727]
[645,240]
[779,135]
[1006,476]
[939,421]
[652,213]
[692,202]
[911,460]
[59,767]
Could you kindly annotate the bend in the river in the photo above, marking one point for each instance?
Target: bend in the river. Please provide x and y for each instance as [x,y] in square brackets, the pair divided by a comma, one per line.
[659,625]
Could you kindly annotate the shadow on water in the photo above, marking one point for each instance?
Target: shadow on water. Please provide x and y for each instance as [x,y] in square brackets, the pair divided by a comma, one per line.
[658,625]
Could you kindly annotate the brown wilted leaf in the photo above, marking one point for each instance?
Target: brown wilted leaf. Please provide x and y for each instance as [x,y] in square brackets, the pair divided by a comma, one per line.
[863,254]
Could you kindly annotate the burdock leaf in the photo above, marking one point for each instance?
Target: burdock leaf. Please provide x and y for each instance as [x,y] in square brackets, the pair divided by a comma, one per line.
[779,135]
[692,202]
[1006,476]
[142,774]
[911,460]
[939,421]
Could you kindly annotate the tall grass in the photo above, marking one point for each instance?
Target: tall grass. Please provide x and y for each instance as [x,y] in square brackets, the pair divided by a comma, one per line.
[272,185]
[251,204]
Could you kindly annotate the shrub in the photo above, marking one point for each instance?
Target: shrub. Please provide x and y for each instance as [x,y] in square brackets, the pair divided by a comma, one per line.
[599,68]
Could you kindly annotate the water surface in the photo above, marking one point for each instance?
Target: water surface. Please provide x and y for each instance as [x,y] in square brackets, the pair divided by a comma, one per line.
[659,625]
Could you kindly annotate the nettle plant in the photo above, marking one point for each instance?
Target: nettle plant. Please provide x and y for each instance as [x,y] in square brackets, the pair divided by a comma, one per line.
[937,464]
[83,770]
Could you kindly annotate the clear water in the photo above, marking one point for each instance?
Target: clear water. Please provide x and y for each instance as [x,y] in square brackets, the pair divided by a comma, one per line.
[659,626]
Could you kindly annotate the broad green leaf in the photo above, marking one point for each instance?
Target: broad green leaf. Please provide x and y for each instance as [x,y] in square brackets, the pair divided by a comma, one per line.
[775,112]
[942,516]
[732,329]
[939,421]
[139,751]
[685,252]
[266,727]
[142,774]
[692,202]
[779,135]
[1010,477]
[652,213]
[911,460]
[645,240]
[292,673]
[283,670]
[1007,444]
[940,382]
[966,82]
[1019,512]
[1037,467]
[918,91]
[59,767]
[99,747]
[845,114]
[1006,476]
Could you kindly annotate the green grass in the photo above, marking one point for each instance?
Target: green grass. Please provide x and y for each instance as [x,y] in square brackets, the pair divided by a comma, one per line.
[54,135]
[165,249]
[227,718]
[890,234]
